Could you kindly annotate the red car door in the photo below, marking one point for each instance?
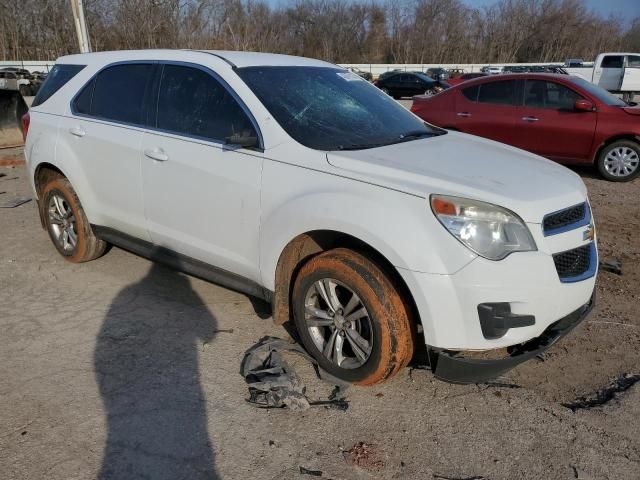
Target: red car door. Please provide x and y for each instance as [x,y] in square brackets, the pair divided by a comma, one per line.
[488,109]
[549,124]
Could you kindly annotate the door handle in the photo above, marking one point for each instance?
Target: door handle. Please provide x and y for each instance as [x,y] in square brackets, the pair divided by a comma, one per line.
[463,114]
[156,154]
[530,119]
[77,132]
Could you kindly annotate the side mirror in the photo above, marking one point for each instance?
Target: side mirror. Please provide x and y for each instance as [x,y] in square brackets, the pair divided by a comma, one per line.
[244,140]
[583,105]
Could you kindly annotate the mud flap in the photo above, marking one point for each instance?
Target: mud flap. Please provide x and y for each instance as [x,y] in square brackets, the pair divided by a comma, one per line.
[12,108]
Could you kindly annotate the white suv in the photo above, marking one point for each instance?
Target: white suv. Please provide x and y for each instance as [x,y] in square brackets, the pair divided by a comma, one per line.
[296,181]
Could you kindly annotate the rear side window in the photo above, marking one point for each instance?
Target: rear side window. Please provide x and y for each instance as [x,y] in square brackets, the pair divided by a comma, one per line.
[612,61]
[498,93]
[194,103]
[119,93]
[633,61]
[471,93]
[59,75]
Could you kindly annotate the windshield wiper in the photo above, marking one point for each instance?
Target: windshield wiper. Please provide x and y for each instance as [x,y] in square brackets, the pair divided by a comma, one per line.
[362,146]
[415,134]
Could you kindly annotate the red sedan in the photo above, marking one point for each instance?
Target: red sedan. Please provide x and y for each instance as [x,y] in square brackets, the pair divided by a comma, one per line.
[566,119]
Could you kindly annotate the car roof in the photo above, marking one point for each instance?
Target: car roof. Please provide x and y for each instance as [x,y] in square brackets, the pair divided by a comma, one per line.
[517,76]
[235,59]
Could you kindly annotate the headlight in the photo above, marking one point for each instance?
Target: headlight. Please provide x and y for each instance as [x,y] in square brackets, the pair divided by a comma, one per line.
[489,230]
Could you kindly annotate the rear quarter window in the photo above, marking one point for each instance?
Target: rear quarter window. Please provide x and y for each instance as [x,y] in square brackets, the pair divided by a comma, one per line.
[58,77]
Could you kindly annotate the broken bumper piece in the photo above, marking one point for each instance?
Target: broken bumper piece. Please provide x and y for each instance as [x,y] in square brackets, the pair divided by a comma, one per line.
[454,367]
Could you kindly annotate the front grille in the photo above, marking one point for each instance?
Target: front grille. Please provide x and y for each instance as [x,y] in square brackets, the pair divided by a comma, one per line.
[573,263]
[564,218]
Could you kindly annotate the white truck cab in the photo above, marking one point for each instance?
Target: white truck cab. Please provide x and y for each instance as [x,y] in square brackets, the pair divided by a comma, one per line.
[296,181]
[615,72]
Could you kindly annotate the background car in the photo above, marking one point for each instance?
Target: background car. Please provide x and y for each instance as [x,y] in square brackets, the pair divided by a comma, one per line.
[438,73]
[408,84]
[491,70]
[566,119]
[464,77]
[366,75]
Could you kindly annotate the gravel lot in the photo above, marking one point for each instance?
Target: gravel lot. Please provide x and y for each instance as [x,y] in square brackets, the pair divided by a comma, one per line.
[120,368]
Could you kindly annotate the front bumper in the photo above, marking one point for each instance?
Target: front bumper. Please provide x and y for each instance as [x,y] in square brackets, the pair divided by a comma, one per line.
[452,367]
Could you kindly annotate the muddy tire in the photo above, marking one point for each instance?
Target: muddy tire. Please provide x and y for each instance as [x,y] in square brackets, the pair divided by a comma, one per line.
[620,161]
[67,224]
[351,318]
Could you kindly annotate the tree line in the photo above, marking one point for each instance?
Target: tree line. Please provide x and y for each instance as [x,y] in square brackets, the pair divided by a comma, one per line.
[340,31]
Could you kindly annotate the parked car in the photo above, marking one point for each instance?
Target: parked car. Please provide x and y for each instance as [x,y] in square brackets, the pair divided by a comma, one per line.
[388,73]
[491,70]
[547,69]
[366,75]
[24,80]
[574,62]
[464,77]
[297,181]
[615,72]
[440,74]
[566,119]
[515,69]
[408,84]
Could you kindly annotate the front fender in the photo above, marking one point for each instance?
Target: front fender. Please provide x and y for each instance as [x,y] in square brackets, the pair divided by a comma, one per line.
[399,226]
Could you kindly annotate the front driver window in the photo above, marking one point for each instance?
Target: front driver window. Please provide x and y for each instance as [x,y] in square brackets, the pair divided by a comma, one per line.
[194,103]
[543,94]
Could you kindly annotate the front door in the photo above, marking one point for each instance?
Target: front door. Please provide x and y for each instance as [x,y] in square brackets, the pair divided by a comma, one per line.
[549,125]
[202,196]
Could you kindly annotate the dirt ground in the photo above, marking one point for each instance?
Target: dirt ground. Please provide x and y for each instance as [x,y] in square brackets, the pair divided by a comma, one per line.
[120,368]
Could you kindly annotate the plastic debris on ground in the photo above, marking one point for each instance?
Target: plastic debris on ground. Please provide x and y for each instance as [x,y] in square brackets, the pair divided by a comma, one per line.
[273,383]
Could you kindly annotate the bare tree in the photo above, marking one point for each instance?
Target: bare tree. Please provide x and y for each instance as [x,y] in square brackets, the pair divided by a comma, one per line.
[346,31]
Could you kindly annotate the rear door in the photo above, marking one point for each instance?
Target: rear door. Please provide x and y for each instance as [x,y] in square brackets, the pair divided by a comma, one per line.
[489,109]
[104,133]
[549,125]
[202,197]
[631,77]
[608,74]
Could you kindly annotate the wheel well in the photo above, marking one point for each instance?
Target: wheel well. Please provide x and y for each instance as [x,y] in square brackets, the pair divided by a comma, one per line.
[609,141]
[44,173]
[307,245]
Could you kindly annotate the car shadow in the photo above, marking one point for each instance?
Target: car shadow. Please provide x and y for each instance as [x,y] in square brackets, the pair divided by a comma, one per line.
[146,366]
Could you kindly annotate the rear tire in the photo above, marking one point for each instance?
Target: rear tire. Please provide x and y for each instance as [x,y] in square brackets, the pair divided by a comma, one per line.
[67,223]
[363,340]
[620,161]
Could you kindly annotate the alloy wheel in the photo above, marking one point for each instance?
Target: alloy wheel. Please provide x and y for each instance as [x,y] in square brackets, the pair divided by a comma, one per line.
[62,222]
[338,323]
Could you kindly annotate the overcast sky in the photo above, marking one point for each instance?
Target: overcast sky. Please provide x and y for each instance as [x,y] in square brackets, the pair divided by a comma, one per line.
[625,8]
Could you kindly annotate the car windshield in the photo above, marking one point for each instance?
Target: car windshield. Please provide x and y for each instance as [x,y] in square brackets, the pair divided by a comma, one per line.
[600,93]
[333,109]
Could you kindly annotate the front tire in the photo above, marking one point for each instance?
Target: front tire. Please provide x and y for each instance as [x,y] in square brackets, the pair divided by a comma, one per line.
[351,317]
[620,161]
[67,223]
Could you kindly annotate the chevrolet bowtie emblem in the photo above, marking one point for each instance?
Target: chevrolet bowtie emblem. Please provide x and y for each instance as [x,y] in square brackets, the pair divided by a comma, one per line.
[589,233]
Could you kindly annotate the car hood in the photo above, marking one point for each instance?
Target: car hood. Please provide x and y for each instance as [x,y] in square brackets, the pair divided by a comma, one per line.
[468,166]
